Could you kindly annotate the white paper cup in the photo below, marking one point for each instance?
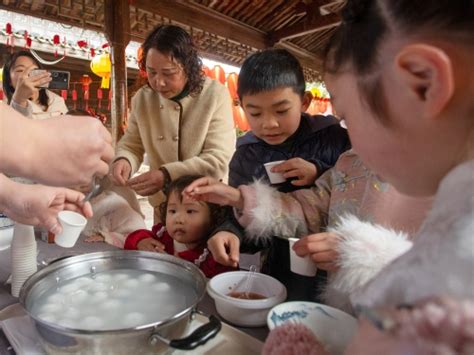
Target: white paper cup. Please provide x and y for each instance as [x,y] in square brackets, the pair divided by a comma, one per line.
[302,266]
[73,223]
[275,178]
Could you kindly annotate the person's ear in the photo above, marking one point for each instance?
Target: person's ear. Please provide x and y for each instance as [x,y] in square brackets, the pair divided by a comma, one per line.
[307,97]
[428,73]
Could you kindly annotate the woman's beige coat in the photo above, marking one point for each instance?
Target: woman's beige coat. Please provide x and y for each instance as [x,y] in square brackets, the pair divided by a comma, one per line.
[193,136]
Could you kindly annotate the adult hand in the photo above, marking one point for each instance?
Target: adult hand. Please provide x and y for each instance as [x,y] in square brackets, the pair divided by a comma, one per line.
[39,205]
[120,172]
[224,247]
[303,170]
[148,183]
[322,247]
[27,86]
[69,151]
[150,244]
[213,191]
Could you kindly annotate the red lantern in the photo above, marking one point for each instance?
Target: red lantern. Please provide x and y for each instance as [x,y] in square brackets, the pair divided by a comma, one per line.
[56,41]
[240,120]
[322,105]
[218,74]
[9,32]
[141,68]
[86,81]
[207,71]
[232,85]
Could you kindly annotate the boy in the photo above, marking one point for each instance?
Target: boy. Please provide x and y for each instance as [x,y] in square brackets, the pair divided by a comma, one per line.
[271,89]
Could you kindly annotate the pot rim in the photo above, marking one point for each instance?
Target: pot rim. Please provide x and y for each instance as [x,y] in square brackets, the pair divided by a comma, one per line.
[121,254]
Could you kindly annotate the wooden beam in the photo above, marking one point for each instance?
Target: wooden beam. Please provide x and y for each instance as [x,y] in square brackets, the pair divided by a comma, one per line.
[306,59]
[206,19]
[117,32]
[317,23]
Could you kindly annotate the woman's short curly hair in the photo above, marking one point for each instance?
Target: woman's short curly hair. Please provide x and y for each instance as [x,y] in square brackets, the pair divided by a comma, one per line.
[218,213]
[176,42]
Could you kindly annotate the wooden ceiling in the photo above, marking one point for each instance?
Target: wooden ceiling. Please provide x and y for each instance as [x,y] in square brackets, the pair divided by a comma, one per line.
[226,30]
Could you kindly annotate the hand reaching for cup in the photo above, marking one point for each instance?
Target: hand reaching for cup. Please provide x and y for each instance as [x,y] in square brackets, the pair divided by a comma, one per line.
[304,171]
[322,247]
[39,205]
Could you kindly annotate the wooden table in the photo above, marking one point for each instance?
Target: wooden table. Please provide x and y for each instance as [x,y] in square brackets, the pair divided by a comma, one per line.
[49,252]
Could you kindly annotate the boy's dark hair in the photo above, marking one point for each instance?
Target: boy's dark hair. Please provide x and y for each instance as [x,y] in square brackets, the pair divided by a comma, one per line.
[366,23]
[176,42]
[218,213]
[7,79]
[268,70]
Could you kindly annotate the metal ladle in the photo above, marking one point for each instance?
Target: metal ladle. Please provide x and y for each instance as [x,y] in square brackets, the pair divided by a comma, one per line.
[95,189]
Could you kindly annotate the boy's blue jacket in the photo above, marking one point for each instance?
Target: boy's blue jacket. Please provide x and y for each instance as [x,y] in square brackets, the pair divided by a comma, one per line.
[318,139]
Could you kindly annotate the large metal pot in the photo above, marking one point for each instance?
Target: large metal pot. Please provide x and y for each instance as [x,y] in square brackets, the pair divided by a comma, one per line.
[161,336]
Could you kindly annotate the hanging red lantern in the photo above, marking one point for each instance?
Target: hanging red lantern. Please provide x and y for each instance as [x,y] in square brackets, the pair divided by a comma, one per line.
[9,32]
[141,67]
[86,81]
[102,66]
[240,120]
[56,41]
[74,97]
[99,98]
[92,51]
[218,74]
[232,85]
[322,105]
[64,94]
[206,71]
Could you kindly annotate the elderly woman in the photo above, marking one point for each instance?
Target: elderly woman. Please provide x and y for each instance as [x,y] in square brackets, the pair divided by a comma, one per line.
[182,120]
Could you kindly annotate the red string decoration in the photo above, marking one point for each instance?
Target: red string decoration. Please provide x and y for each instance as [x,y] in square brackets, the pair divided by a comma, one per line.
[9,31]
[74,97]
[86,81]
[99,99]
[109,105]
[56,41]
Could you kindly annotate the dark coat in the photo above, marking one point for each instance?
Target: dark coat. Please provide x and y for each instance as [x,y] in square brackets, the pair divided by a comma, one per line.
[318,139]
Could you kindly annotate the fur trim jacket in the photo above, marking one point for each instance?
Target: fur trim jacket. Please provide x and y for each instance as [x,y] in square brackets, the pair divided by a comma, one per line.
[348,200]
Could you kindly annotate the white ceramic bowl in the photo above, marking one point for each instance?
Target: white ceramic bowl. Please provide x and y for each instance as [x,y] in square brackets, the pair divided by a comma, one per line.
[244,312]
[332,327]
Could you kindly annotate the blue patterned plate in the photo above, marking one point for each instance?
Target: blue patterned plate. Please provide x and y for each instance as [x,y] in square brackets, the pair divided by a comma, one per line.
[332,327]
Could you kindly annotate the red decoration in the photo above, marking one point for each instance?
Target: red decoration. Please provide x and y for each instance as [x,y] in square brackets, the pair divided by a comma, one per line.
[99,99]
[1,95]
[74,97]
[240,120]
[105,45]
[9,31]
[82,44]
[232,85]
[141,69]
[207,71]
[86,81]
[56,41]
[218,74]
[109,105]
[64,94]
[92,52]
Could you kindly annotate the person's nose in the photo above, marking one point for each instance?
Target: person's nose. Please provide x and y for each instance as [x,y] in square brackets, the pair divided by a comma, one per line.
[179,218]
[270,122]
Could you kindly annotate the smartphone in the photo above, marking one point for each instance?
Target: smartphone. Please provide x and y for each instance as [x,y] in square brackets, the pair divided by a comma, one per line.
[59,78]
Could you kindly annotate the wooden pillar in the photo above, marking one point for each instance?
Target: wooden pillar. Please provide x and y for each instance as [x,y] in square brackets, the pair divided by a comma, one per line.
[117,32]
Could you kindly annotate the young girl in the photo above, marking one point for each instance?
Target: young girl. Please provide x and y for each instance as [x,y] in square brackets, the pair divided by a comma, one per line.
[24,92]
[400,74]
[187,227]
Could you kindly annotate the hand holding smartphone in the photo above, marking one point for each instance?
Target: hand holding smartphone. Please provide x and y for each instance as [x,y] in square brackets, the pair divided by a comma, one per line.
[59,79]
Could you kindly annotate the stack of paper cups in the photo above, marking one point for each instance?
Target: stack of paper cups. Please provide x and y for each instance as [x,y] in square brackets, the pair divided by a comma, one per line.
[23,251]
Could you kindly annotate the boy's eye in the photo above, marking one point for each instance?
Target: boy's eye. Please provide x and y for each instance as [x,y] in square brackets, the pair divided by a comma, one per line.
[171,211]
[255,114]
[191,211]
[281,112]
